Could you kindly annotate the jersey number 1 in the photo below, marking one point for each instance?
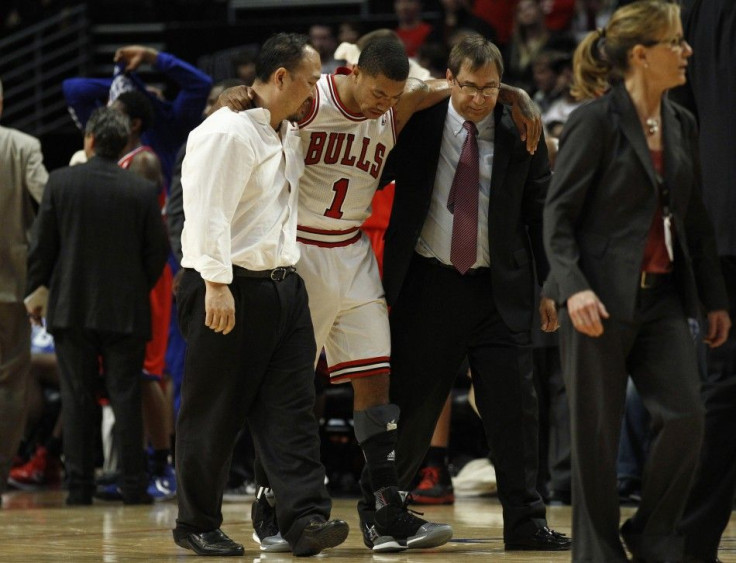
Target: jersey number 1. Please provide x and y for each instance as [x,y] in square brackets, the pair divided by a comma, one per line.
[341,190]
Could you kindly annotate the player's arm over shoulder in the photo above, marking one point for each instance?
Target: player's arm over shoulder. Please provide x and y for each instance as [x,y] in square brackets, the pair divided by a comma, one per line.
[419,95]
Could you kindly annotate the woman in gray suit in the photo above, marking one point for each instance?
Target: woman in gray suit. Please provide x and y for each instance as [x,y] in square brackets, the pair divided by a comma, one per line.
[632,255]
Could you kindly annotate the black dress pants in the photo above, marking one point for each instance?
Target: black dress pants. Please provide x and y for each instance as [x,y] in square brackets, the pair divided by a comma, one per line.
[262,374]
[711,500]
[438,319]
[79,352]
[658,351]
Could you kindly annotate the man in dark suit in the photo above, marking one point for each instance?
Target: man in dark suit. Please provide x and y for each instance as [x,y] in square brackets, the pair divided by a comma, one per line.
[710,27]
[461,249]
[100,245]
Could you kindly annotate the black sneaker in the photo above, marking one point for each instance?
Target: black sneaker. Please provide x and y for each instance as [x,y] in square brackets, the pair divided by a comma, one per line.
[392,527]
[265,526]
[319,535]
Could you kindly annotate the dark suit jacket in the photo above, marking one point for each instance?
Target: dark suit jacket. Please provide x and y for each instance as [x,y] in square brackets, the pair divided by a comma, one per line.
[603,198]
[710,27]
[100,245]
[519,184]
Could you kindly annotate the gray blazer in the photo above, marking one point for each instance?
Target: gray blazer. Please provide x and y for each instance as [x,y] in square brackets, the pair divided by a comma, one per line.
[22,177]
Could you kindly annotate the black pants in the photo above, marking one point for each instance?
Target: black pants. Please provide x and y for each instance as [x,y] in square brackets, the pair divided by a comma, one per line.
[261,373]
[711,500]
[658,351]
[79,353]
[439,318]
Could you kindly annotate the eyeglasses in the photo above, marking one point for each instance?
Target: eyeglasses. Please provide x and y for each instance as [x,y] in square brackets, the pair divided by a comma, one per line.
[673,43]
[472,91]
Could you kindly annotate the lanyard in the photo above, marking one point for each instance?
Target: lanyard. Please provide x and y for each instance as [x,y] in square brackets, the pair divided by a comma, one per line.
[665,199]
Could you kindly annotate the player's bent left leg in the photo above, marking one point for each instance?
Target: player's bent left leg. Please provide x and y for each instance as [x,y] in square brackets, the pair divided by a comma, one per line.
[389,525]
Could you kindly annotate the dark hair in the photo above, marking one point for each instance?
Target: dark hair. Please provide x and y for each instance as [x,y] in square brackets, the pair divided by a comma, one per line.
[110,129]
[387,56]
[477,51]
[138,106]
[280,50]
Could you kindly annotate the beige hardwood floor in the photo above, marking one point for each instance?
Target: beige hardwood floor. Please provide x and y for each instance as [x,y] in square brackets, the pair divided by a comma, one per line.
[39,527]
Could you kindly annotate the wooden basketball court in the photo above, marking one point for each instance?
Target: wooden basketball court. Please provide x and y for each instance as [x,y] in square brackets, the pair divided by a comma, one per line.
[36,527]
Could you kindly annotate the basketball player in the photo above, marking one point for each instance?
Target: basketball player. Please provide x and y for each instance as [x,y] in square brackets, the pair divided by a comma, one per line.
[144,161]
[346,136]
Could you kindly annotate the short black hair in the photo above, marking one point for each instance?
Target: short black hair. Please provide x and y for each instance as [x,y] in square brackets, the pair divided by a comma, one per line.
[138,106]
[280,50]
[110,129]
[386,56]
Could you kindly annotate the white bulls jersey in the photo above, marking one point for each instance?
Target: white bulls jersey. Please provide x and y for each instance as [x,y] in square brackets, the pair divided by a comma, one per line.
[344,154]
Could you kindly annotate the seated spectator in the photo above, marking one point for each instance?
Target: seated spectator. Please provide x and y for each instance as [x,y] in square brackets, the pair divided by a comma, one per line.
[322,38]
[548,85]
[412,30]
[349,32]
[244,66]
[458,14]
[500,15]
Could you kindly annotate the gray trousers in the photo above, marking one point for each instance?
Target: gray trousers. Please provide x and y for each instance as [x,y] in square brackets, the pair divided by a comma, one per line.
[15,365]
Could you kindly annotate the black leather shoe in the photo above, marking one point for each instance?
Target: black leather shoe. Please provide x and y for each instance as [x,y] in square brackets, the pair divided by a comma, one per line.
[543,539]
[214,543]
[319,535]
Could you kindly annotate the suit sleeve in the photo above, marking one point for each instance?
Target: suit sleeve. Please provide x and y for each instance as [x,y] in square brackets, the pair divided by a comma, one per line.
[156,242]
[581,152]
[535,194]
[700,235]
[36,175]
[175,206]
[44,249]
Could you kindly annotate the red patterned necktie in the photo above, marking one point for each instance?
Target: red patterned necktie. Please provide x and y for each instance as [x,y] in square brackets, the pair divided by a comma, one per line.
[463,203]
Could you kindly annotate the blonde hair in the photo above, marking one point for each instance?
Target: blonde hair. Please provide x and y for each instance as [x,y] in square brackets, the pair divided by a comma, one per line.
[603,54]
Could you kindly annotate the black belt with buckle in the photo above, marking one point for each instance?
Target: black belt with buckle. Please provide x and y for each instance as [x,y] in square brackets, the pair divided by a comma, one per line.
[651,280]
[277,274]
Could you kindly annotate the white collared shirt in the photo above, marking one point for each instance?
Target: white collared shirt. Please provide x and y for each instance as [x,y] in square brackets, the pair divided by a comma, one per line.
[240,183]
[435,239]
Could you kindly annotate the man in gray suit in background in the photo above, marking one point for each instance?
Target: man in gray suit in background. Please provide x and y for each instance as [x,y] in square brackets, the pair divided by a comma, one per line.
[22,177]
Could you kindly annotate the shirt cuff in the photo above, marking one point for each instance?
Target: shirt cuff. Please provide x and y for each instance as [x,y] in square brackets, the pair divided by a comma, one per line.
[213,271]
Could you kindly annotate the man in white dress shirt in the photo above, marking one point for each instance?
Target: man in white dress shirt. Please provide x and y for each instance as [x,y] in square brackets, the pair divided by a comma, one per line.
[243,311]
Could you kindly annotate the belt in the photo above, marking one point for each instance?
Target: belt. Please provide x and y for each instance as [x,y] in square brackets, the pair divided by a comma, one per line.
[277,274]
[438,263]
[651,280]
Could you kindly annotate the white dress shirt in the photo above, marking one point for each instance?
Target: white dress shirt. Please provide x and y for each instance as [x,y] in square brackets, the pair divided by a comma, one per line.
[435,239]
[240,183]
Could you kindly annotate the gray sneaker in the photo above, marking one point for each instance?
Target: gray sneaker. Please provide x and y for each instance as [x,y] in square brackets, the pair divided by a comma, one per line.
[265,526]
